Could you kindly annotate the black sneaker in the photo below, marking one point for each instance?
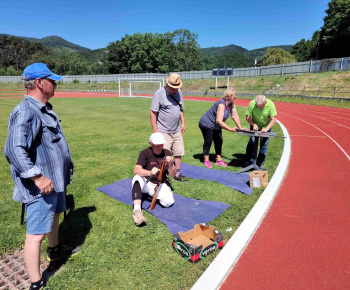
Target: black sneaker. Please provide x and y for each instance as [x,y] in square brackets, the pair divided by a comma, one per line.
[65,251]
[180,178]
[40,285]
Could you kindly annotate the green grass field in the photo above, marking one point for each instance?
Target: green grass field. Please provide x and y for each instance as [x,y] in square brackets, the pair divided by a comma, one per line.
[105,136]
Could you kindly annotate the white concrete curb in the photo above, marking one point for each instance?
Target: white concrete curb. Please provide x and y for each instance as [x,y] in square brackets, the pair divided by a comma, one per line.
[220,268]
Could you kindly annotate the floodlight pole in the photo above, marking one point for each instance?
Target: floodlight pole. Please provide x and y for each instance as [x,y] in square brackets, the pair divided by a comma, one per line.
[119,86]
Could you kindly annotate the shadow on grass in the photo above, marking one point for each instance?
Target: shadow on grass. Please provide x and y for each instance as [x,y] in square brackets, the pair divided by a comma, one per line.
[72,233]
[237,161]
[212,157]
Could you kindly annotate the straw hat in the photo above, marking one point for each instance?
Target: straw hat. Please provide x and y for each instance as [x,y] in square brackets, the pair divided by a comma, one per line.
[174,81]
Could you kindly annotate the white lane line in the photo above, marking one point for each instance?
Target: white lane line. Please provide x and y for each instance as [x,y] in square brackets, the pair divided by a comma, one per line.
[341,125]
[335,142]
[318,109]
[220,268]
[322,110]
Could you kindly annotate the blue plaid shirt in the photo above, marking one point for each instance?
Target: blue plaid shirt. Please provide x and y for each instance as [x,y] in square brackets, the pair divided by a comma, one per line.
[36,145]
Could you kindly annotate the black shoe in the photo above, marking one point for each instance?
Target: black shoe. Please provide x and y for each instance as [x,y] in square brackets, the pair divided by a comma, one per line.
[180,178]
[40,285]
[64,251]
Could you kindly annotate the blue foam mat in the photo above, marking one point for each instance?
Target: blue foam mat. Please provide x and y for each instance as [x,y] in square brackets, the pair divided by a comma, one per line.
[182,216]
[237,181]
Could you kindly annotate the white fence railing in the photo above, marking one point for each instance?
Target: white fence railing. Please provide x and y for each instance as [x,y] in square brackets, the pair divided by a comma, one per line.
[336,64]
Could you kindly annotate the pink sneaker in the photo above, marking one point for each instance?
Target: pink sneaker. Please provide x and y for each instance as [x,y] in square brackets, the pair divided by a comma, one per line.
[207,164]
[222,163]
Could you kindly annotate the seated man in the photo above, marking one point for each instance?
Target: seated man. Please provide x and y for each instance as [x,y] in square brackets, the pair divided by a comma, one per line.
[146,176]
[261,115]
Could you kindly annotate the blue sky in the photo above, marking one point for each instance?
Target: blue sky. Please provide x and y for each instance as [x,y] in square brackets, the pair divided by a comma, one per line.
[94,24]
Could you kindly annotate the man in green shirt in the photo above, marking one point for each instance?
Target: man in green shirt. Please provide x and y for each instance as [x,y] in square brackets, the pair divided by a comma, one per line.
[261,115]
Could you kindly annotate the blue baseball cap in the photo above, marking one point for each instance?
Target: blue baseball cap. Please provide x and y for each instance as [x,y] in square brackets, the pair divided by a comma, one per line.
[39,71]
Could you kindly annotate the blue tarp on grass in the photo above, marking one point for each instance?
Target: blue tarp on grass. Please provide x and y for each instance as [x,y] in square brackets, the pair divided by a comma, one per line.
[182,216]
[237,181]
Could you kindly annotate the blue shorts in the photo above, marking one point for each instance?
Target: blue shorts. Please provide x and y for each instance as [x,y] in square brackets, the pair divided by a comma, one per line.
[41,212]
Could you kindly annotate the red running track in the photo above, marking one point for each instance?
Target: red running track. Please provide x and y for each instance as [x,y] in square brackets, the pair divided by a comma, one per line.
[304,240]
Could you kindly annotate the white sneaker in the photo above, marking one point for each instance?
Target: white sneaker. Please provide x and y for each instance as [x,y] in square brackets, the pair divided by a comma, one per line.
[138,217]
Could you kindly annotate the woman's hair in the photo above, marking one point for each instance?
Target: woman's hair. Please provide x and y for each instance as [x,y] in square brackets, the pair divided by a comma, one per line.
[229,93]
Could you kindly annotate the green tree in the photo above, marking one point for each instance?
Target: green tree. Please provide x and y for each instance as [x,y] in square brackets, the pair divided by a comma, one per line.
[40,53]
[71,64]
[172,51]
[301,50]
[335,33]
[232,59]
[314,45]
[183,50]
[277,56]
[16,54]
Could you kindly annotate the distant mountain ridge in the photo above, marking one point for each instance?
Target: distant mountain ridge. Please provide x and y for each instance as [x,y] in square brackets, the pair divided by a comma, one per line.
[58,44]
[55,42]
[258,52]
[222,49]
[232,56]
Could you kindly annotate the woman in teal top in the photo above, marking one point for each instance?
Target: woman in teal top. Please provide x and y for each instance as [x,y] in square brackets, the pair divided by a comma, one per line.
[213,121]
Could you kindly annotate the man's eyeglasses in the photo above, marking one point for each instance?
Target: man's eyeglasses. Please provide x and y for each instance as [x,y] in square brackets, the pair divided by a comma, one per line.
[51,81]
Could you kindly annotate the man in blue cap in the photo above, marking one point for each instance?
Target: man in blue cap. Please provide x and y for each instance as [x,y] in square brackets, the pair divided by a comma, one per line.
[41,167]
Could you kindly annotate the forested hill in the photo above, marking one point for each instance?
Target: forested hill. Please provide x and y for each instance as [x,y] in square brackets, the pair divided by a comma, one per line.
[222,50]
[72,59]
[259,52]
[56,43]
[234,55]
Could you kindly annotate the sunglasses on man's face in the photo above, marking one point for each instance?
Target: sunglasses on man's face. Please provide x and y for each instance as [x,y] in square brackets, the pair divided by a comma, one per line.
[51,81]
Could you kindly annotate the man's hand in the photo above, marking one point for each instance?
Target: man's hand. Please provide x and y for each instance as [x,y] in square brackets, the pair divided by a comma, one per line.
[264,130]
[169,159]
[255,127]
[233,130]
[183,128]
[154,171]
[43,183]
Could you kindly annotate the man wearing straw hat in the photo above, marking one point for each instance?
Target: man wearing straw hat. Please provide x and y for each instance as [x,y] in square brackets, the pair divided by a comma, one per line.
[166,113]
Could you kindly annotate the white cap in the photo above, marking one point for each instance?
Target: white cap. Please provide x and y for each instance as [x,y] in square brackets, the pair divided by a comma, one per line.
[156,139]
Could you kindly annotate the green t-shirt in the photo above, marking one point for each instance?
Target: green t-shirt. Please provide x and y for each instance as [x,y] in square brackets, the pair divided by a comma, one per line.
[261,117]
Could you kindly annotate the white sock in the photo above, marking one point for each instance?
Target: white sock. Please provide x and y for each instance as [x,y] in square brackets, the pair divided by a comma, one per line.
[137,207]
